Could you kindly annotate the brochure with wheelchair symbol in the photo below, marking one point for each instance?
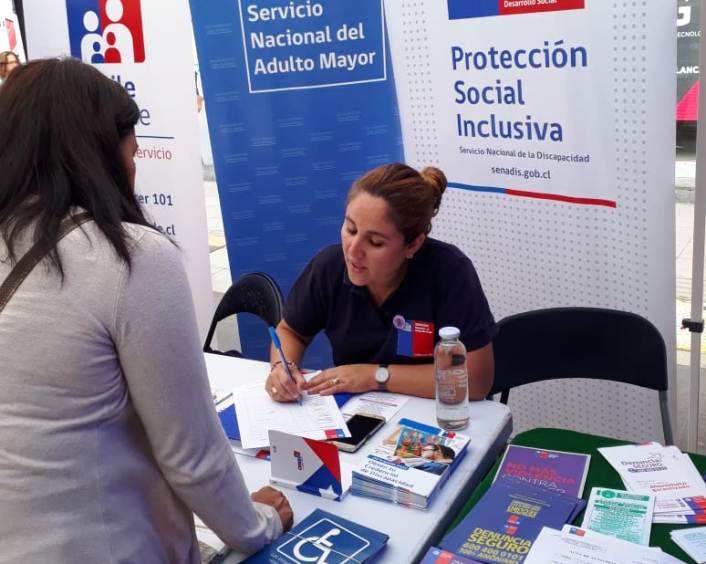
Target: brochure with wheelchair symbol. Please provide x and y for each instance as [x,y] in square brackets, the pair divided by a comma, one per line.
[323,538]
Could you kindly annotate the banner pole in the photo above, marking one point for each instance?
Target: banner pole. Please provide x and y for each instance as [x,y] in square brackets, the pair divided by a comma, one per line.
[697,266]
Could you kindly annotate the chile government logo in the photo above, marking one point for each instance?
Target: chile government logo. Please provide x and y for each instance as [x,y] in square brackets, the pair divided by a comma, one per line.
[106,31]
[460,9]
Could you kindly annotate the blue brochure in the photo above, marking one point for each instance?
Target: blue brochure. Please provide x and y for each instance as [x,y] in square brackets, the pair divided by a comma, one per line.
[323,537]
[506,521]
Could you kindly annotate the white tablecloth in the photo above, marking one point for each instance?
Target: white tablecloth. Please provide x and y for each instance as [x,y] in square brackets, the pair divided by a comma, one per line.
[411,530]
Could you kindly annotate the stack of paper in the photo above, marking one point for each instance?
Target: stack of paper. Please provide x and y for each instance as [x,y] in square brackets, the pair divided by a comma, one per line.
[225,407]
[665,472]
[576,545]
[504,524]
[691,541]
[318,417]
[410,464]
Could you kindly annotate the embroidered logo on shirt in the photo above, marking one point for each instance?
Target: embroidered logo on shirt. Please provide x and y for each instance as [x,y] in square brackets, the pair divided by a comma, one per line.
[414,338]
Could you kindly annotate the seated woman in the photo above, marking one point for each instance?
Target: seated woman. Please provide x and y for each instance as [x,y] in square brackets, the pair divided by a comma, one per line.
[383,294]
[109,439]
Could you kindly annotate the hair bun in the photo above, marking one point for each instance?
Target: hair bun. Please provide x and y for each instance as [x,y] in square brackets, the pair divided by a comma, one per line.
[437,180]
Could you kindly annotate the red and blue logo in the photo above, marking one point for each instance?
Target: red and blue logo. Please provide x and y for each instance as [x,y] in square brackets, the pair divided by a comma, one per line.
[462,9]
[106,31]
[414,338]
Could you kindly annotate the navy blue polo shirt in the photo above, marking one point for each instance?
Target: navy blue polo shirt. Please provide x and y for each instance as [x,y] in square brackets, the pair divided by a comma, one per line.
[440,288]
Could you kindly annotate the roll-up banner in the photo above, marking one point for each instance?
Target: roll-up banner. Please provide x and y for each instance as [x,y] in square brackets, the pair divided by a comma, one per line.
[127,41]
[300,102]
[554,122]
[10,36]
[688,37]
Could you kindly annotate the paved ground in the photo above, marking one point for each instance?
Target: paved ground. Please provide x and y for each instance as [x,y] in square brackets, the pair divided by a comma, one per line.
[684,210]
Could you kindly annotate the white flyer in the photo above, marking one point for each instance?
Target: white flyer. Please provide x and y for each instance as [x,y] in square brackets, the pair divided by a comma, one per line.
[579,546]
[318,417]
[384,404]
[665,472]
[692,541]
[620,514]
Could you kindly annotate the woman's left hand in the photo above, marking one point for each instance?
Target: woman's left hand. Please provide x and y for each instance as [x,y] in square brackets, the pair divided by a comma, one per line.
[354,378]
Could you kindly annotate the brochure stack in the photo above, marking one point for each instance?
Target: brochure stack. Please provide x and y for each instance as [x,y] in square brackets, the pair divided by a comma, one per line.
[504,524]
[410,465]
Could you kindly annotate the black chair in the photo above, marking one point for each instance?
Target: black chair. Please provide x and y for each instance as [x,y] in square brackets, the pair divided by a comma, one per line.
[579,342]
[255,293]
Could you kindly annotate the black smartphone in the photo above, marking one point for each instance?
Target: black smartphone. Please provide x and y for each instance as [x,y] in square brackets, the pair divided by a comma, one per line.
[361,426]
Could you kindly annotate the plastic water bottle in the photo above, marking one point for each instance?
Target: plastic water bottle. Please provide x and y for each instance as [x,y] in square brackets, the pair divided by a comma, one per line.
[451,374]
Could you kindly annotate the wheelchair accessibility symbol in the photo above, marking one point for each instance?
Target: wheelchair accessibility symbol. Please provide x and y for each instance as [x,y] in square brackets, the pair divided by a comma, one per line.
[324,542]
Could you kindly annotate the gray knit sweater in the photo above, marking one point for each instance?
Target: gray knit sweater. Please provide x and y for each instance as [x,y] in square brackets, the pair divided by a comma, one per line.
[108,435]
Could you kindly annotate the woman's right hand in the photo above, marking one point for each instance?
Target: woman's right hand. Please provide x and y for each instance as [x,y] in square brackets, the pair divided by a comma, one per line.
[280,387]
[275,498]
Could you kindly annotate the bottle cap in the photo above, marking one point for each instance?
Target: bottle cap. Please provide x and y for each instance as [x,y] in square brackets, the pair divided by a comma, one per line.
[448,333]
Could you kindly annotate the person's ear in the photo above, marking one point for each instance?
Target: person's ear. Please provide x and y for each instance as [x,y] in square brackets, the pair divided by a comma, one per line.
[412,247]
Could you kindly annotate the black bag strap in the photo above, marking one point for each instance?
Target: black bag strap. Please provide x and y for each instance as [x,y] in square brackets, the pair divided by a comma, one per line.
[25,265]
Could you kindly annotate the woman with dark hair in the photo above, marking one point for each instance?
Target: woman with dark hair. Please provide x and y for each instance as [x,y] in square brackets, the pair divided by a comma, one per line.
[9,61]
[382,295]
[109,438]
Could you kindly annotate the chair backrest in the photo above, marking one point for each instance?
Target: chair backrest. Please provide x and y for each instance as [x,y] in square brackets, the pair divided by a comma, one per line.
[580,342]
[255,293]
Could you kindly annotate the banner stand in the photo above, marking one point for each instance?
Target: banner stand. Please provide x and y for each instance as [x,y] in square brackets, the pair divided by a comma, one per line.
[156,70]
[697,266]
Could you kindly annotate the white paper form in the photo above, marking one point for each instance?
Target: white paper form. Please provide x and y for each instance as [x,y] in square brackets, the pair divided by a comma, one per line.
[665,472]
[374,403]
[317,418]
[557,547]
[692,541]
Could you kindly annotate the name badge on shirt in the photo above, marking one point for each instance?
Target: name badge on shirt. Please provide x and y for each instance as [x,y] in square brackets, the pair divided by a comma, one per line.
[414,338]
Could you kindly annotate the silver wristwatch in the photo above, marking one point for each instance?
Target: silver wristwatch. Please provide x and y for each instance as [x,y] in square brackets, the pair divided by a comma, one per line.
[382,376]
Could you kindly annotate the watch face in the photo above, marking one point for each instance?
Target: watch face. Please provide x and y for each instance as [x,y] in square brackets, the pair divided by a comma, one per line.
[382,375]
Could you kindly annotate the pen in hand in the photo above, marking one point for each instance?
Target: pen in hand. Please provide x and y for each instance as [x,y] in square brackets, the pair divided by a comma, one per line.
[278,345]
